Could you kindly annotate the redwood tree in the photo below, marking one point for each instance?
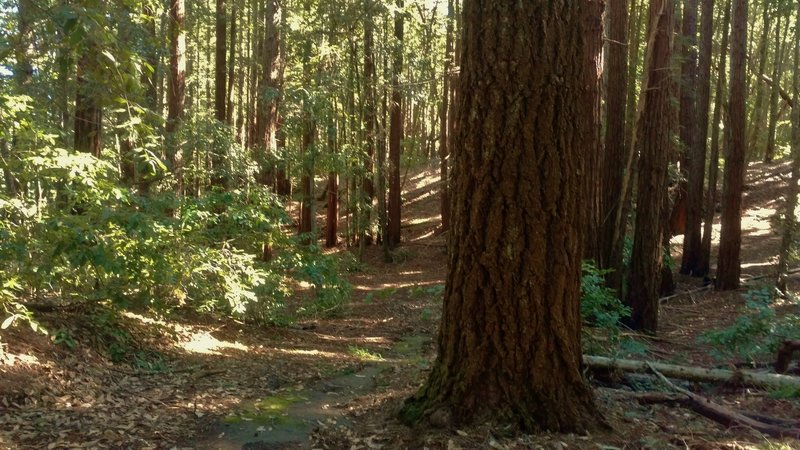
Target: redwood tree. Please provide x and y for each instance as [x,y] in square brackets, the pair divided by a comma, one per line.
[509,344]
[694,150]
[176,86]
[730,242]
[614,160]
[654,141]
[395,134]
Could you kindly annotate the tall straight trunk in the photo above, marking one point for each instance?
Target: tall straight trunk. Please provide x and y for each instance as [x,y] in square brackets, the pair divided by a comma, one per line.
[694,149]
[269,93]
[614,160]
[633,110]
[774,93]
[380,172]
[231,63]
[176,88]
[396,133]
[509,345]
[88,112]
[369,115]
[757,118]
[219,177]
[444,144]
[713,164]
[332,209]
[728,266]
[700,268]
[593,147]
[790,221]
[654,143]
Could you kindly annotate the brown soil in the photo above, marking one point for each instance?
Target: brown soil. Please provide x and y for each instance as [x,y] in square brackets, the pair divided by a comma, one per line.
[55,396]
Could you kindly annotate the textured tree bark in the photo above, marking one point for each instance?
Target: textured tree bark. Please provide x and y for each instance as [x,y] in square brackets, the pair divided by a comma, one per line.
[654,143]
[509,344]
[614,160]
[728,266]
[176,89]
[713,164]
[694,148]
[396,135]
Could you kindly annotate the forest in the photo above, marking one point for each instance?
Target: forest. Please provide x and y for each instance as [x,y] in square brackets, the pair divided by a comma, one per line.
[399,224]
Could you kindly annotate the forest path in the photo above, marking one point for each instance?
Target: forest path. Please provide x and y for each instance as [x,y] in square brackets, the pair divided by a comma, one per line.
[385,332]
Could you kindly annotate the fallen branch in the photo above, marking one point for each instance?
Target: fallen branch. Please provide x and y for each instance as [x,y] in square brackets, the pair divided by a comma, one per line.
[724,415]
[767,380]
[784,95]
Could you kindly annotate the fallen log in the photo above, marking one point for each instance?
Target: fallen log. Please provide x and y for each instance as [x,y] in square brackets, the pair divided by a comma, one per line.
[766,380]
[726,416]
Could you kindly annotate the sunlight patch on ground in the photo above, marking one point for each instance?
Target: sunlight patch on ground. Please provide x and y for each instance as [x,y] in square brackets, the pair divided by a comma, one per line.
[427,235]
[756,222]
[203,342]
[421,220]
[12,359]
[297,351]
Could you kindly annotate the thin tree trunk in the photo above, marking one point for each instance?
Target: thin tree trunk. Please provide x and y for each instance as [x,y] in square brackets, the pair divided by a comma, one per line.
[790,222]
[757,117]
[396,133]
[654,142]
[774,94]
[444,136]
[728,266]
[88,112]
[176,89]
[693,148]
[219,177]
[713,164]
[614,164]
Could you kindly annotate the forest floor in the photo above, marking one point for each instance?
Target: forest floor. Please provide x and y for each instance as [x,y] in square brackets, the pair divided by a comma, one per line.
[338,382]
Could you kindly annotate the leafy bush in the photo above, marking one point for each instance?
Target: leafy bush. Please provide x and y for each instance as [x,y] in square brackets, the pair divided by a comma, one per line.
[601,309]
[757,332]
[96,242]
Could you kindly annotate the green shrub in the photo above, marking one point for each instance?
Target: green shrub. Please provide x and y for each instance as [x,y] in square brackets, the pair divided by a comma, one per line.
[757,332]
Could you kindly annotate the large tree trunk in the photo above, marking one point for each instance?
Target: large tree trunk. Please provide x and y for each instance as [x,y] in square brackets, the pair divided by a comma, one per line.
[509,344]
[713,159]
[614,161]
[693,147]
[395,134]
[654,142]
[728,266]
[176,88]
